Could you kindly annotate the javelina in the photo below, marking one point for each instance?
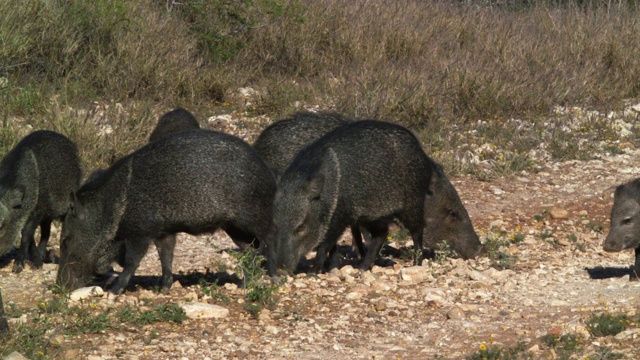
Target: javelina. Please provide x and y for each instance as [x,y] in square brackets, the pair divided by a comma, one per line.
[195,181]
[36,177]
[366,174]
[625,222]
[279,143]
[174,121]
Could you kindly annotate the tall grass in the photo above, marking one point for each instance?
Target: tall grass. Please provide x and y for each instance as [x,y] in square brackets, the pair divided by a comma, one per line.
[435,66]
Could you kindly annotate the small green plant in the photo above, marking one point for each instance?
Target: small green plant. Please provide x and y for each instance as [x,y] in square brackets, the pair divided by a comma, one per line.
[87,322]
[163,313]
[564,345]
[499,353]
[605,353]
[607,324]
[595,226]
[258,290]
[213,290]
[443,252]
[541,216]
[500,259]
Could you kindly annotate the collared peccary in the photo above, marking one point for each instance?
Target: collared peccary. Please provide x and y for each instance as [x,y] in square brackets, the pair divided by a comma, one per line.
[36,178]
[174,121]
[625,222]
[279,143]
[367,173]
[195,182]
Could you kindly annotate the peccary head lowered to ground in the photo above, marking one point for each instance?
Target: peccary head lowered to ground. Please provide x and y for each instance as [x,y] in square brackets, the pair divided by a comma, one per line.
[173,122]
[194,182]
[367,174]
[446,219]
[36,177]
[625,222]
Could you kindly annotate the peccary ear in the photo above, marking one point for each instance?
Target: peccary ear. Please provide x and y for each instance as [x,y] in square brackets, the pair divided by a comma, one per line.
[75,207]
[14,198]
[315,185]
[435,183]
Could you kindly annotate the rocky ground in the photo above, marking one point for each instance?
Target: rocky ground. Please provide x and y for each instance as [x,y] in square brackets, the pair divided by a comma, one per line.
[548,276]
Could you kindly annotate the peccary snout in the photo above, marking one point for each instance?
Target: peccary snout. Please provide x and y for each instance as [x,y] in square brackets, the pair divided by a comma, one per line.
[447,220]
[625,222]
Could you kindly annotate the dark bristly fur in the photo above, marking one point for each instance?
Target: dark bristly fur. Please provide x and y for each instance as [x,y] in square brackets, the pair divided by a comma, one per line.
[195,181]
[367,174]
[625,223]
[36,178]
[279,143]
[173,122]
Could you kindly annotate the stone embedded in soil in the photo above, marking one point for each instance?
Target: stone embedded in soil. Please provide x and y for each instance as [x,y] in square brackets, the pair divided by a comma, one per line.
[15,356]
[415,274]
[198,310]
[86,293]
[558,213]
[455,313]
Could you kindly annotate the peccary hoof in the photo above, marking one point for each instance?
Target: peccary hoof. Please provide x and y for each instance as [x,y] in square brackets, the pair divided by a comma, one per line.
[18,267]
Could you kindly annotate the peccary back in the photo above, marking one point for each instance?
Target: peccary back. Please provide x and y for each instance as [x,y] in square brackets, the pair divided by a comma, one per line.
[36,178]
[279,143]
[173,122]
[367,174]
[625,222]
[195,182]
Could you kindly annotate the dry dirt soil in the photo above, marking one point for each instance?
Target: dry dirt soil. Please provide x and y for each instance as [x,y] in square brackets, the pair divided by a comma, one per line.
[556,276]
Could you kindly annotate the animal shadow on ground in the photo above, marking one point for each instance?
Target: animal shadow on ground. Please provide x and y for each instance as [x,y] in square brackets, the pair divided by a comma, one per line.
[600,272]
[152,282]
[6,259]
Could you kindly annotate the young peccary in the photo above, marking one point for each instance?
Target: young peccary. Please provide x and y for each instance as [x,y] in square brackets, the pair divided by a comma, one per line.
[367,174]
[174,121]
[36,177]
[279,143]
[195,182]
[625,223]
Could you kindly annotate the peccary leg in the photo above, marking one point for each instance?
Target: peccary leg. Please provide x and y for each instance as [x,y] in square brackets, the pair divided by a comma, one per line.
[356,234]
[45,233]
[165,247]
[335,258]
[329,243]
[417,246]
[26,242]
[635,272]
[379,232]
[134,251]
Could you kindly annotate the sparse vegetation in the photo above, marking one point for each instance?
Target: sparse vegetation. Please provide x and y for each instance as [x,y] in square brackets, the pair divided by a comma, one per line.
[496,243]
[607,324]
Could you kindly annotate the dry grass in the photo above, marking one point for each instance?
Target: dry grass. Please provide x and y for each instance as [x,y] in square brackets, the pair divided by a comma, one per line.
[437,67]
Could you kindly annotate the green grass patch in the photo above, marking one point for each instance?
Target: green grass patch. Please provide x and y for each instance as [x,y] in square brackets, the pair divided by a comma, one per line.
[607,324]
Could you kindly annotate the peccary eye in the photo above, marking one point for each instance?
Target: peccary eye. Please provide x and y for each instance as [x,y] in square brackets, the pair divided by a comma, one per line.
[626,221]
[453,214]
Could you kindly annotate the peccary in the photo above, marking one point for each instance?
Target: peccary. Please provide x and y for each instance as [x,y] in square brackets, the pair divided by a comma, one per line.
[625,223]
[36,177]
[195,182]
[279,143]
[174,121]
[367,173]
